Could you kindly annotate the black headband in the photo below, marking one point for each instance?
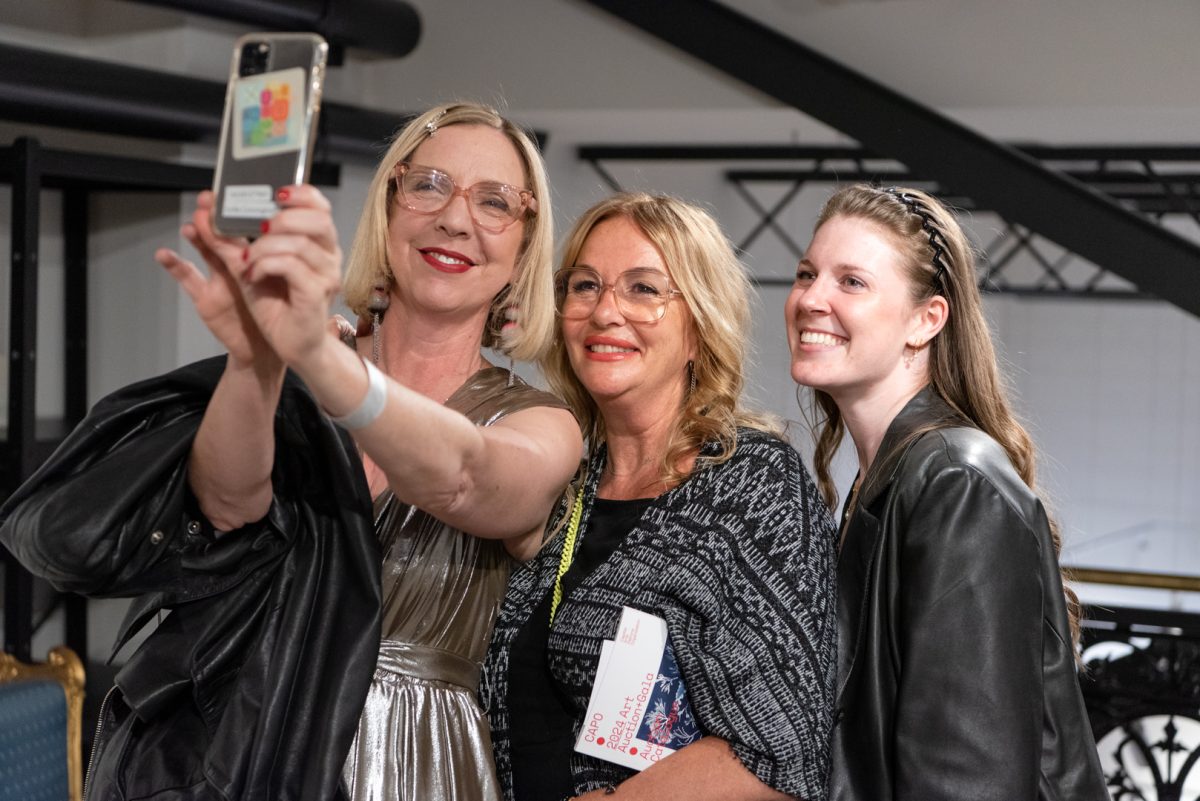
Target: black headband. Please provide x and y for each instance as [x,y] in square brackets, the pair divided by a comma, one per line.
[937,241]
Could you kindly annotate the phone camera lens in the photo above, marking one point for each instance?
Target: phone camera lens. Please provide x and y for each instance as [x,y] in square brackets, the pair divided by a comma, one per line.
[255,56]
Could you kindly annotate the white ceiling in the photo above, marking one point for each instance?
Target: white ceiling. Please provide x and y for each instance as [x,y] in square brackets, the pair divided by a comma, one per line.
[1065,71]
[967,53]
[951,54]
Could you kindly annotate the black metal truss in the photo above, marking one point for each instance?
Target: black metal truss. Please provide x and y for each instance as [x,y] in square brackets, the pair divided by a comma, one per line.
[999,177]
[1157,182]
[17,452]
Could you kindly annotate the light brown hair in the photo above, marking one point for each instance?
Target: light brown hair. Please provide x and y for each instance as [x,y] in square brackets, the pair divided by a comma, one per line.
[714,285]
[962,360]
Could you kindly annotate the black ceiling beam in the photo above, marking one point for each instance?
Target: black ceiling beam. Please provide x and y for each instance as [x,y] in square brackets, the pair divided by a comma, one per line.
[390,27]
[63,169]
[656,151]
[1148,192]
[44,88]
[1112,152]
[1137,189]
[660,152]
[66,169]
[999,177]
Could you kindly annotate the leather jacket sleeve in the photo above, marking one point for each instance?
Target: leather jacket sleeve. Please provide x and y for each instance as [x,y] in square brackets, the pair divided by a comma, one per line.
[107,513]
[252,687]
[969,627]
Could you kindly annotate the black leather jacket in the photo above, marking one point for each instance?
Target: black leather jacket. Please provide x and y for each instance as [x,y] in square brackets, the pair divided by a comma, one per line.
[252,686]
[956,676]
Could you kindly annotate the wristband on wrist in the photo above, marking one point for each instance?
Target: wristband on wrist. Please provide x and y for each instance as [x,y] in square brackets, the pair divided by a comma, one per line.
[372,404]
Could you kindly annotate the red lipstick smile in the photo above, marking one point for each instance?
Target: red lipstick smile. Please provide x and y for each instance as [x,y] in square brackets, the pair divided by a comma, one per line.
[446,261]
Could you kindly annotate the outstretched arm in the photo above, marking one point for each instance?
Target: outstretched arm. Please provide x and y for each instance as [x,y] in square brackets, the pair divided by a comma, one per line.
[498,481]
[229,468]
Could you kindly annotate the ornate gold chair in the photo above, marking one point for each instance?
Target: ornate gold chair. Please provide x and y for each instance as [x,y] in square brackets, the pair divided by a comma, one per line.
[41,714]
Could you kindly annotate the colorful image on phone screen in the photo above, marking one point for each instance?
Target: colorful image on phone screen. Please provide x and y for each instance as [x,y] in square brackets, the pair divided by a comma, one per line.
[269,110]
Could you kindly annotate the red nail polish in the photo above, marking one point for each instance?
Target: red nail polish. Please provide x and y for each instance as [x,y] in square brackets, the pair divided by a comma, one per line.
[284,194]
[265,226]
[245,254]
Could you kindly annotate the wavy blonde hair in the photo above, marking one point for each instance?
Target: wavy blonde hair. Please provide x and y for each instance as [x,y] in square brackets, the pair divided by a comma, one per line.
[962,359]
[531,291]
[714,285]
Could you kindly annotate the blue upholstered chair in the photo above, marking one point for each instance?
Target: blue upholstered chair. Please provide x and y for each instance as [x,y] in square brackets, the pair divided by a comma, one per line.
[41,711]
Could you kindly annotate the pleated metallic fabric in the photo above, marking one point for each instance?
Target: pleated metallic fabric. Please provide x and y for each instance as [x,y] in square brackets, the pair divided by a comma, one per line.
[422,735]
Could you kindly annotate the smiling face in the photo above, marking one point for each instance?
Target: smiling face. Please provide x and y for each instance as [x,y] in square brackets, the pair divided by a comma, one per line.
[444,262]
[850,314]
[618,361]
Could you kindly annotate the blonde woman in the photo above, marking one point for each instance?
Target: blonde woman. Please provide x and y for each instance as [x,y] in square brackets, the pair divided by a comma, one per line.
[463,460]
[223,493]
[691,508]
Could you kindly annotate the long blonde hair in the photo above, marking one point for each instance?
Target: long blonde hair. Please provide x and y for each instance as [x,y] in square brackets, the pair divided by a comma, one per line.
[716,290]
[531,291]
[963,368]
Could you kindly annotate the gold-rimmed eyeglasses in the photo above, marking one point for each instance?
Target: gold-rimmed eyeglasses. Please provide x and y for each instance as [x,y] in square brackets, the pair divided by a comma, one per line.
[494,206]
[642,294]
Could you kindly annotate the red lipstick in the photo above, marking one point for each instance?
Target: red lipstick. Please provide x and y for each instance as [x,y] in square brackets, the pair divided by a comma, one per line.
[460,264]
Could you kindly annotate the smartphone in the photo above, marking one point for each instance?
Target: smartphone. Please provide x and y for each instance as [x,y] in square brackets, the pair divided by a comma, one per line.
[269,127]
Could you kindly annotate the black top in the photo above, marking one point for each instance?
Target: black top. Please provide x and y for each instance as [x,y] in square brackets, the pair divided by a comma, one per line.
[738,560]
[543,723]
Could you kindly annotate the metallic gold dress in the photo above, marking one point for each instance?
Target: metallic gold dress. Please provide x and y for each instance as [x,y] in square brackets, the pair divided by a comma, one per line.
[422,735]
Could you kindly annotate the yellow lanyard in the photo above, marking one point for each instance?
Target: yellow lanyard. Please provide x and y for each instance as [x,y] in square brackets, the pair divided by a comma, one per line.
[568,552]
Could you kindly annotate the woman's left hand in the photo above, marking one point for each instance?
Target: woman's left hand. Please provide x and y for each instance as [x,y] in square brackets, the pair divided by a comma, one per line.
[217,296]
[706,770]
[292,273]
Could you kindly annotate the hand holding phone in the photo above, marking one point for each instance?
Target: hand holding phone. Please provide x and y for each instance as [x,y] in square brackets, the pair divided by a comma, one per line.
[271,107]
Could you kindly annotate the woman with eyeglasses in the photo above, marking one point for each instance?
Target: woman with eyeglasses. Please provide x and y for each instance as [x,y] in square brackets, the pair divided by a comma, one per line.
[463,459]
[690,508]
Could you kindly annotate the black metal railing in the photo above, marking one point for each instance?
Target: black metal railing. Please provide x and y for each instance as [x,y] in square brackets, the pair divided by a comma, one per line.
[1142,690]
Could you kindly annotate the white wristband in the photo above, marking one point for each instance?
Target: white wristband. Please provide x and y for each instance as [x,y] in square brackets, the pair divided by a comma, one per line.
[372,405]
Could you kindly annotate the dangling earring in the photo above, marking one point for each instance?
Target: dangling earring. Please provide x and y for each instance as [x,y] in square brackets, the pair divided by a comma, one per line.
[377,304]
[910,353]
[510,321]
[691,370]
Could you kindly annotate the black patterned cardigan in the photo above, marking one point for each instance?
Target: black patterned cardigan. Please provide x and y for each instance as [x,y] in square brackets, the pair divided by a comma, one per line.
[740,561]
